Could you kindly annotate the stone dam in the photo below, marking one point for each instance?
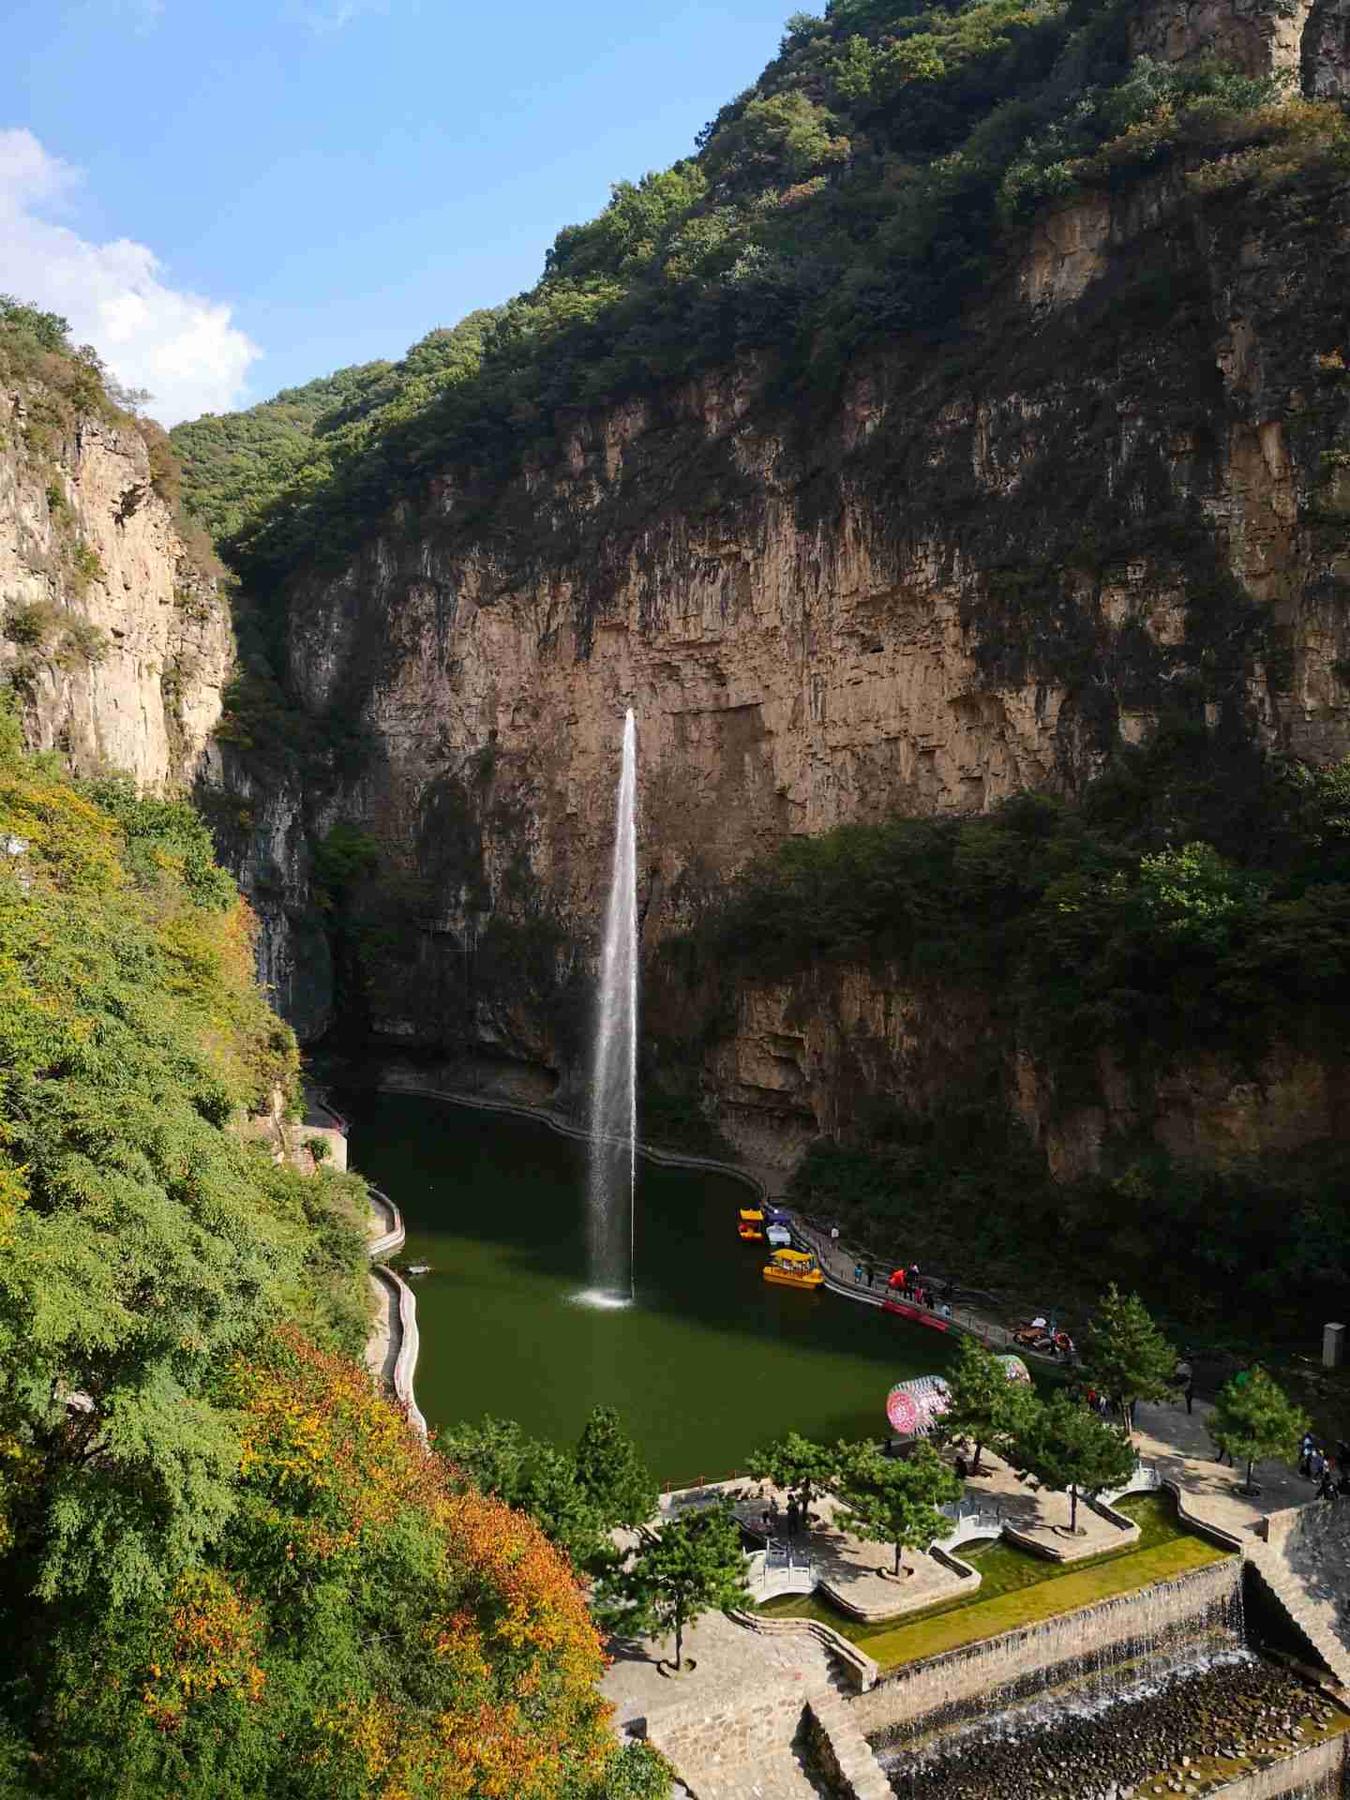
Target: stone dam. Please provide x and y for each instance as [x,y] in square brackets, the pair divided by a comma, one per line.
[1170,1689]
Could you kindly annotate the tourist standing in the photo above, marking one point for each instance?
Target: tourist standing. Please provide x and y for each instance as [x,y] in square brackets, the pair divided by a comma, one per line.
[1185,1380]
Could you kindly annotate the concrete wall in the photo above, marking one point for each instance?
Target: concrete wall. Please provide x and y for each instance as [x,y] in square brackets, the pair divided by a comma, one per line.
[943,1690]
[1316,1774]
[711,1742]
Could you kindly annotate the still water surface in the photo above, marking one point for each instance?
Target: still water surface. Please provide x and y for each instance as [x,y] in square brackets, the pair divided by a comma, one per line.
[710,1362]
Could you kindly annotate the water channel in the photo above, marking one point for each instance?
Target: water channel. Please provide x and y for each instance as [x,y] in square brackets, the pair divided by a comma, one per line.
[711,1361]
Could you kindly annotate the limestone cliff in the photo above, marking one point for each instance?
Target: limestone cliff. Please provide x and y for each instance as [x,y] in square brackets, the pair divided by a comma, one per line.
[1118,492]
[116,643]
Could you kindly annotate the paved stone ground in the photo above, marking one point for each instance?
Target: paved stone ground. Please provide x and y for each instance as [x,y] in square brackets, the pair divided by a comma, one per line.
[1043,1517]
[1181,1446]
[858,1574]
[382,1343]
[728,1724]
[727,1659]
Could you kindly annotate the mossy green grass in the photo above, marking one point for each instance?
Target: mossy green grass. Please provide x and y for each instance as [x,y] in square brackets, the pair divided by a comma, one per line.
[1018,1588]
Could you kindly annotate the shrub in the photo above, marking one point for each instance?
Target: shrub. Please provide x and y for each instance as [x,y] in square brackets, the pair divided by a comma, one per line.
[31,624]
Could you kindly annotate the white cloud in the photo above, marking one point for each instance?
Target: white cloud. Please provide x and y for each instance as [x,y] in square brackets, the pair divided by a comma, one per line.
[180,346]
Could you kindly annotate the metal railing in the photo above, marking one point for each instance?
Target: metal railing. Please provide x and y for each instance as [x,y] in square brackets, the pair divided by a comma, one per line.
[841,1264]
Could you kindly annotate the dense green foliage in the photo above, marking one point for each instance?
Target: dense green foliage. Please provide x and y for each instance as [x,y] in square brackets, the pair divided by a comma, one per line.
[1126,1355]
[983,1405]
[227,1566]
[858,189]
[796,1463]
[895,1500]
[1065,1446]
[576,1498]
[1194,902]
[694,1564]
[1193,898]
[231,461]
[1253,1419]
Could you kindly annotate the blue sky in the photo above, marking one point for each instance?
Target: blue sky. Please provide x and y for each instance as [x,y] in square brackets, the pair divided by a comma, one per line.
[229,199]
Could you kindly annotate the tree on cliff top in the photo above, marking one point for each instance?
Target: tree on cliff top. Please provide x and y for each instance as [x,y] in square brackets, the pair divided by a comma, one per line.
[1253,1419]
[1126,1355]
[1066,1446]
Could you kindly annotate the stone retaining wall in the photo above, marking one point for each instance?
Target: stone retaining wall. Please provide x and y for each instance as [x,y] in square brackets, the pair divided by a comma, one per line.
[1315,1774]
[940,1690]
[710,1744]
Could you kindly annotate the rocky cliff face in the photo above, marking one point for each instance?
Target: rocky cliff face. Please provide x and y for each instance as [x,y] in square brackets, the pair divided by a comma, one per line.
[118,647]
[1120,492]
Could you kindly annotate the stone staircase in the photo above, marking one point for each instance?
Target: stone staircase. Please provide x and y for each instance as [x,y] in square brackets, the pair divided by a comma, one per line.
[852,1670]
[1305,1562]
[840,1748]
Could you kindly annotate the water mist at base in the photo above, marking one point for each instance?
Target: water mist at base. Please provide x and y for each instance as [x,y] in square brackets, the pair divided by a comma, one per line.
[613,1133]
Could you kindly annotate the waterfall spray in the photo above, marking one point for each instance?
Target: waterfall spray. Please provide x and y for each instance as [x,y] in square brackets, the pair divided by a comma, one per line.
[613,1160]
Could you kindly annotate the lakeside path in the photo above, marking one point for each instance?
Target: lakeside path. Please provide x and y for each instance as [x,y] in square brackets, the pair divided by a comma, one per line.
[1177,1441]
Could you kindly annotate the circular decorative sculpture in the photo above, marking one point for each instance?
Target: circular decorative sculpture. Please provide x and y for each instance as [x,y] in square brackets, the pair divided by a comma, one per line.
[913,1407]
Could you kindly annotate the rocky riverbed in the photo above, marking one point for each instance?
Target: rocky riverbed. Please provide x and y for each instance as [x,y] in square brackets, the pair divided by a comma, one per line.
[1185,1733]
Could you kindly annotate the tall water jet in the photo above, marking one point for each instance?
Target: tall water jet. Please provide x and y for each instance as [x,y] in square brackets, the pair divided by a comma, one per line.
[613,1160]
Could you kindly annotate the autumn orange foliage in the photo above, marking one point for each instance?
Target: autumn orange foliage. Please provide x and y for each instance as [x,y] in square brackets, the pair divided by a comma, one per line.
[338,1483]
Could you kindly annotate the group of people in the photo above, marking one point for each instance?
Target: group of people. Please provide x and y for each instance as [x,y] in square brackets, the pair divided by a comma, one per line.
[1045,1336]
[791,1518]
[913,1286]
[910,1284]
[1329,1471]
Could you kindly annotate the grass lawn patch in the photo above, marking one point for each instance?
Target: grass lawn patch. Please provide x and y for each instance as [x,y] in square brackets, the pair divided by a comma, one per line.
[1019,1589]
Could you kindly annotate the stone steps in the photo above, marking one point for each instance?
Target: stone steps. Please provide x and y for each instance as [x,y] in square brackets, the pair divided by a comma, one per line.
[858,1773]
[1317,1619]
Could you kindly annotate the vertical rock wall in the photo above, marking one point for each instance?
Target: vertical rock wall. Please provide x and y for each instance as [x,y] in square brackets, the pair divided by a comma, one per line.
[118,646]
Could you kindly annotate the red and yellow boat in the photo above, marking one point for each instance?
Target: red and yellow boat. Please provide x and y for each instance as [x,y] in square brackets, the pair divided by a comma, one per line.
[794,1268]
[751,1225]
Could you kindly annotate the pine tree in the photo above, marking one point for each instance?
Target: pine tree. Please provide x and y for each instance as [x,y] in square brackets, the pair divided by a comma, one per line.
[1125,1353]
[796,1463]
[696,1565]
[611,1472]
[1254,1419]
[1065,1446]
[985,1406]
[895,1500]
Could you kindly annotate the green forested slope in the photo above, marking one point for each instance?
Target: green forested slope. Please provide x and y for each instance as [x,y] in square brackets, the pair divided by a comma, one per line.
[1193,906]
[227,1568]
[860,188]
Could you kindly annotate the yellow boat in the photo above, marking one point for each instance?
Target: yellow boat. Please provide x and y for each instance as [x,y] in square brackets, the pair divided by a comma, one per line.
[794,1268]
[751,1226]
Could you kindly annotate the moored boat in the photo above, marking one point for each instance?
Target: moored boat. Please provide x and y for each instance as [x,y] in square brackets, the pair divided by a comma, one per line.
[751,1224]
[794,1268]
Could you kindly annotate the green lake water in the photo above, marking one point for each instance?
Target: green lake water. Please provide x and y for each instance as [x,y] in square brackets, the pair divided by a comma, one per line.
[710,1362]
